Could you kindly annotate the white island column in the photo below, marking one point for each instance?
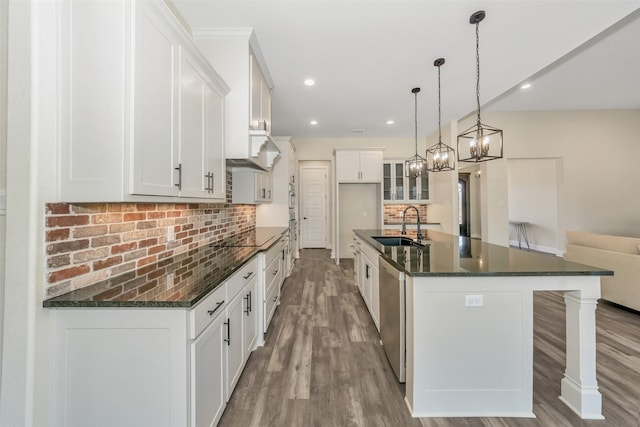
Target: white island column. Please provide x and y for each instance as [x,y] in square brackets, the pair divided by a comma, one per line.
[579,389]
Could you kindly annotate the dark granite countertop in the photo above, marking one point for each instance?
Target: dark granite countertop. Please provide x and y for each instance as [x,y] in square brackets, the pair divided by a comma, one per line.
[447,255]
[193,274]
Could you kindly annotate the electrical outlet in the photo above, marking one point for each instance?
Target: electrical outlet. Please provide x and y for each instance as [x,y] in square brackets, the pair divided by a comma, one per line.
[171,233]
[352,248]
[170,279]
[473,300]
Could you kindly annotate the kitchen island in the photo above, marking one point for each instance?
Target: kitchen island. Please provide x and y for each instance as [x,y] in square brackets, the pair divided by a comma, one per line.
[468,313]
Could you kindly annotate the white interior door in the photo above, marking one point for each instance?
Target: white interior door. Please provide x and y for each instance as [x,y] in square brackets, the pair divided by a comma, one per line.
[313,221]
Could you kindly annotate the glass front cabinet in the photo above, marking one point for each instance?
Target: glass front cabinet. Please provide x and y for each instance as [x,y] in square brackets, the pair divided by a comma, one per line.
[401,189]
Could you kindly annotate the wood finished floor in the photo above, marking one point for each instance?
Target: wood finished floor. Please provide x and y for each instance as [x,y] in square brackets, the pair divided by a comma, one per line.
[322,364]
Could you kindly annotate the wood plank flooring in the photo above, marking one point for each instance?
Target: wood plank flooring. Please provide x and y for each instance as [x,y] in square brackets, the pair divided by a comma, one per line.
[322,363]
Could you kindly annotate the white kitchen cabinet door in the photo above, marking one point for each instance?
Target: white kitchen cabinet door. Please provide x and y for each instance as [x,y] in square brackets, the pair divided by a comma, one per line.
[201,134]
[208,374]
[347,166]
[192,180]
[234,343]
[375,296]
[256,94]
[214,142]
[371,166]
[260,99]
[155,107]
[250,327]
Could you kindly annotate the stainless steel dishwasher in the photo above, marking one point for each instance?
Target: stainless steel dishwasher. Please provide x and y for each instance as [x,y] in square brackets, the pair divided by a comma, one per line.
[392,317]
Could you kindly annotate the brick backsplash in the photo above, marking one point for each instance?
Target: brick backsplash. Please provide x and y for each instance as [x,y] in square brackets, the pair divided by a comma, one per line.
[393,214]
[91,242]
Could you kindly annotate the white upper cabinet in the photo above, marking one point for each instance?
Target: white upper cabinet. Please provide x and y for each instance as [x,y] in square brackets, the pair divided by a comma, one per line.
[359,165]
[260,99]
[142,111]
[236,55]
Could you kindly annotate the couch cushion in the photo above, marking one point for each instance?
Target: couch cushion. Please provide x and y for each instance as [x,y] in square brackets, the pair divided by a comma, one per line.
[627,245]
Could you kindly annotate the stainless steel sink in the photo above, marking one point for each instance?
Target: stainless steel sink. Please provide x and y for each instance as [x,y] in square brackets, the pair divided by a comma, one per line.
[396,241]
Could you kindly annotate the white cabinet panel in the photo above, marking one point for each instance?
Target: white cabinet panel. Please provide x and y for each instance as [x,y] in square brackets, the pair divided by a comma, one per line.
[250,325]
[234,335]
[208,375]
[192,159]
[370,165]
[214,142]
[155,107]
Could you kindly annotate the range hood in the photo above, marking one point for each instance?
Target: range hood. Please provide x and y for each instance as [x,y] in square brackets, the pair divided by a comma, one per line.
[263,152]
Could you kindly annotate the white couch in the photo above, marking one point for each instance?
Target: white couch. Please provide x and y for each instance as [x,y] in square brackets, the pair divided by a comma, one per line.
[617,253]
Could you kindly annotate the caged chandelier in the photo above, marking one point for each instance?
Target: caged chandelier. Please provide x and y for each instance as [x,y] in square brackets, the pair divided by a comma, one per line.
[415,165]
[440,157]
[480,142]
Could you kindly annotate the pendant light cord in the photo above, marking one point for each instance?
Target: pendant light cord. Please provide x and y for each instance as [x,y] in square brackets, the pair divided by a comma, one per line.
[478,69]
[439,110]
[415,116]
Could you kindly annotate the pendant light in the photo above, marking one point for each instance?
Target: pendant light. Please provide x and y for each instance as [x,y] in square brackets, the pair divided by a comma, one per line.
[480,142]
[440,157]
[415,166]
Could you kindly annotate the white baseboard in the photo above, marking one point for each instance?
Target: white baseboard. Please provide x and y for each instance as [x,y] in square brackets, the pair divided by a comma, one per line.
[539,248]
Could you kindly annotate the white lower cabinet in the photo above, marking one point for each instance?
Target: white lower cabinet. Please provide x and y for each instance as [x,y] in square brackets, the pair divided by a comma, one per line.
[273,275]
[366,276]
[208,355]
[154,367]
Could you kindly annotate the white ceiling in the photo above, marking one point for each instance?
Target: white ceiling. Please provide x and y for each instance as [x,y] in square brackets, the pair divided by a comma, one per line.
[366,56]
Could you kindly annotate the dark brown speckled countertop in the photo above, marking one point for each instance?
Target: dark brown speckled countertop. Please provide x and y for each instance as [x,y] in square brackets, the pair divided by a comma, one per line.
[179,281]
[443,254]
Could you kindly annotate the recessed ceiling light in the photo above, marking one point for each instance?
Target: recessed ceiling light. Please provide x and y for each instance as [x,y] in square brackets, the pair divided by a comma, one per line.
[525,86]
[309,82]
[390,122]
[313,122]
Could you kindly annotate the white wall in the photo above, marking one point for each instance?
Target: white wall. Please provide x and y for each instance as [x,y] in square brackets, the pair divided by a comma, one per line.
[599,152]
[3,153]
[31,146]
[359,209]
[443,187]
[533,198]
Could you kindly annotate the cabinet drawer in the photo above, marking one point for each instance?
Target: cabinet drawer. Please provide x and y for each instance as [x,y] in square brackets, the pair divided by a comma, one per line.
[241,277]
[274,252]
[207,310]
[272,274]
[270,305]
[371,254]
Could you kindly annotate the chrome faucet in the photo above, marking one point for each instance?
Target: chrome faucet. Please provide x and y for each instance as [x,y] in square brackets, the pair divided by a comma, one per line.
[404,222]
